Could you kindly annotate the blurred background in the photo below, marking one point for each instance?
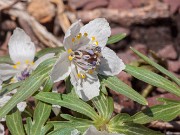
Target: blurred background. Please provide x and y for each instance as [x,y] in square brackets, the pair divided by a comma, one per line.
[152,27]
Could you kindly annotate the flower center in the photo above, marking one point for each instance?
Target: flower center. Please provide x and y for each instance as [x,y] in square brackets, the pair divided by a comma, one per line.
[87,58]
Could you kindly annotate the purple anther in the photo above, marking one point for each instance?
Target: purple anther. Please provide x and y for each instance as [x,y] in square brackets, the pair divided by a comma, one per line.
[86,57]
[93,63]
[90,52]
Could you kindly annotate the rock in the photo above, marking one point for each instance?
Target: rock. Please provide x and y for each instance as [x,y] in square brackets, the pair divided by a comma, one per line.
[126,78]
[118,30]
[174,5]
[174,66]
[168,52]
[43,11]
[141,48]
[96,4]
[127,57]
[139,3]
[120,4]
[87,4]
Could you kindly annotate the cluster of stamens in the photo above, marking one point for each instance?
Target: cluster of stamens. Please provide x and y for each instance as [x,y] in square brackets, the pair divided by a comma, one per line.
[86,58]
[26,69]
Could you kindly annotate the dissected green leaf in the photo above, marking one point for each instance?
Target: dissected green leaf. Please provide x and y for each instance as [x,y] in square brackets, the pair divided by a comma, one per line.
[74,119]
[80,126]
[120,119]
[49,50]
[165,112]
[46,129]
[10,87]
[153,79]
[14,122]
[64,131]
[29,87]
[5,59]
[68,101]
[117,85]
[157,66]
[116,38]
[28,125]
[104,106]
[41,114]
[133,129]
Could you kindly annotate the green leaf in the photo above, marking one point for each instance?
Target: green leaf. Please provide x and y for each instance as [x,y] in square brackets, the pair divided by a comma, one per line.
[80,126]
[165,112]
[65,131]
[6,59]
[49,50]
[153,79]
[41,114]
[28,125]
[74,119]
[120,119]
[48,85]
[116,38]
[117,85]
[104,106]
[29,87]
[68,101]
[46,128]
[14,122]
[133,129]
[10,87]
[157,66]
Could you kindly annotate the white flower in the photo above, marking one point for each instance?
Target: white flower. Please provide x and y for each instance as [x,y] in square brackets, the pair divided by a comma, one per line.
[86,56]
[93,131]
[22,53]
[2,131]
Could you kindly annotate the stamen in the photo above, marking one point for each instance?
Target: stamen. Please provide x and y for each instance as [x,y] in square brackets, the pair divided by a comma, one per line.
[93,38]
[32,63]
[85,34]
[27,61]
[70,57]
[79,75]
[96,43]
[79,36]
[70,51]
[83,76]
[90,71]
[15,66]
[12,80]
[73,39]
[18,63]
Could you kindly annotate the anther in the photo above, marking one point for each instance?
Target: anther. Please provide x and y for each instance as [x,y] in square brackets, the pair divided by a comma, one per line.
[73,39]
[79,75]
[85,34]
[96,43]
[27,61]
[15,66]
[83,76]
[79,36]
[93,38]
[70,57]
[18,63]
[90,71]
[70,51]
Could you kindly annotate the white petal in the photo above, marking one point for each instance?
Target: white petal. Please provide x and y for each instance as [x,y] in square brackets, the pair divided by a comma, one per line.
[20,47]
[98,28]
[43,58]
[21,106]
[7,71]
[93,131]
[75,132]
[71,33]
[87,88]
[2,131]
[110,64]
[0,83]
[4,100]
[61,68]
